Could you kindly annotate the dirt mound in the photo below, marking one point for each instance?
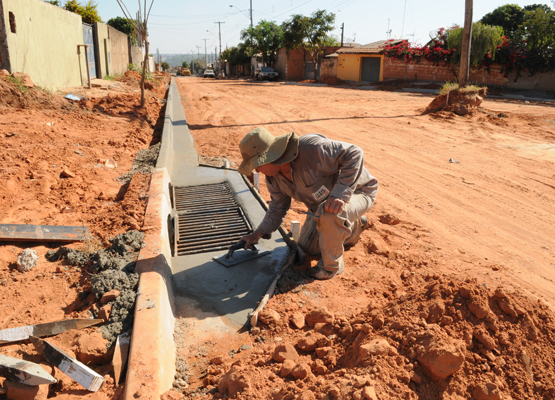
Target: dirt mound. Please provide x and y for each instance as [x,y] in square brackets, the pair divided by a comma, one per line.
[125,105]
[461,102]
[16,95]
[332,81]
[133,75]
[451,339]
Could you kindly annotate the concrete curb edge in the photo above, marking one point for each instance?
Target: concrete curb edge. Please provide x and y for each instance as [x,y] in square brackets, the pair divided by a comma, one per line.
[151,366]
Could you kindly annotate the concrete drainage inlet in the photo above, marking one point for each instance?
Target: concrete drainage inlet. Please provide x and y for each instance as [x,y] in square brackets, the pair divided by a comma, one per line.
[208,219]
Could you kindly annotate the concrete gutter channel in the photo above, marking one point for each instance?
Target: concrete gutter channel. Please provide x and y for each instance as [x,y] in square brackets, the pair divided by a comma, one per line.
[212,299]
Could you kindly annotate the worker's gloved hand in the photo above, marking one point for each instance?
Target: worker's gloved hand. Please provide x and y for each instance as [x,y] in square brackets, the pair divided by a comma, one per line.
[334,205]
[251,239]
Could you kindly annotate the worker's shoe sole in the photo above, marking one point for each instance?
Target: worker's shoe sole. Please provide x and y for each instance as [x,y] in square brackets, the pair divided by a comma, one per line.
[363,222]
[321,274]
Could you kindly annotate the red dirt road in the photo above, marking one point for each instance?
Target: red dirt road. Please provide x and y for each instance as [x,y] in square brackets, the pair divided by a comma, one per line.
[489,215]
[454,276]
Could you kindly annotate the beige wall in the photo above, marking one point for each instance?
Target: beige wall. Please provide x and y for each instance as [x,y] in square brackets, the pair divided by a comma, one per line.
[45,43]
[137,56]
[119,56]
[102,50]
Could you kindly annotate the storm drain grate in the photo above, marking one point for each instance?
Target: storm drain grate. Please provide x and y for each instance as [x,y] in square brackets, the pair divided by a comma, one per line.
[208,219]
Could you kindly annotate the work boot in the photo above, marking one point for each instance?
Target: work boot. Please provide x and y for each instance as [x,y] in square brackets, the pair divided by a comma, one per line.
[318,272]
[363,222]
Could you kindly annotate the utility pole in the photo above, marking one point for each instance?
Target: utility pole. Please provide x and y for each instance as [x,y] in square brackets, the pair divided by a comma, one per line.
[205,61]
[220,33]
[251,13]
[198,53]
[342,30]
[192,62]
[466,44]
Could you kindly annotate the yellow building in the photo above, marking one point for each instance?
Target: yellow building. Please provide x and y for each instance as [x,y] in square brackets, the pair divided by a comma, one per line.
[361,64]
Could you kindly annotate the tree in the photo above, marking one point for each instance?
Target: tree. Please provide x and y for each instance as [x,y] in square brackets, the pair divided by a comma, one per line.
[165,66]
[88,12]
[123,25]
[141,27]
[509,17]
[266,38]
[237,55]
[54,2]
[538,27]
[330,41]
[184,64]
[485,39]
[309,33]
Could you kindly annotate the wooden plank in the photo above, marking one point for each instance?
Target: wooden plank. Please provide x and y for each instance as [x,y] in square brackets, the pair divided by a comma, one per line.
[46,329]
[119,362]
[77,371]
[25,372]
[43,233]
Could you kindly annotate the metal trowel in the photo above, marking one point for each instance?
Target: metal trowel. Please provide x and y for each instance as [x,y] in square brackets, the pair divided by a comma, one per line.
[237,254]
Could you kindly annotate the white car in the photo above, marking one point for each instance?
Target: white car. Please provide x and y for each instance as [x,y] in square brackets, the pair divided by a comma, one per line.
[208,73]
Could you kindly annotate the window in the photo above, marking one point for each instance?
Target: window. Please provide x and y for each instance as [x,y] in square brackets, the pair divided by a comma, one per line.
[12,22]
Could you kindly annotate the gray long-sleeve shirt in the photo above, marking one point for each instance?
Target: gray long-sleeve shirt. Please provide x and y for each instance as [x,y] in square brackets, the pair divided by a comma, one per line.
[322,168]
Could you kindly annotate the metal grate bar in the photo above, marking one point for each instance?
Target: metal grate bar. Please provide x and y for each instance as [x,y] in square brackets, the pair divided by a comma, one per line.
[208,219]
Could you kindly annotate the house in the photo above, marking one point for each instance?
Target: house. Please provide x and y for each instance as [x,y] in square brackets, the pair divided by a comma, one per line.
[363,63]
[297,64]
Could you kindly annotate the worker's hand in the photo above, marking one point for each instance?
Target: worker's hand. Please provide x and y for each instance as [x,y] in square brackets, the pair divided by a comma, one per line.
[251,239]
[334,205]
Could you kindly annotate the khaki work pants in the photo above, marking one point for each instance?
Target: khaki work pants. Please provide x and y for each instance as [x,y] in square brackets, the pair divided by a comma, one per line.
[329,234]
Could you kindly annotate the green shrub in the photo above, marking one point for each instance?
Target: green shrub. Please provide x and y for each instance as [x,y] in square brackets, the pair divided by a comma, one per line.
[18,83]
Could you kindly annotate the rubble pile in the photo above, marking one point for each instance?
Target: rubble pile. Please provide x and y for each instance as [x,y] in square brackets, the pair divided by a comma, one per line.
[451,340]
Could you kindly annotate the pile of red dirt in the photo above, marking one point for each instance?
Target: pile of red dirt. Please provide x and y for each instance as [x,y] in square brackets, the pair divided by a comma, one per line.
[450,340]
[19,96]
[459,101]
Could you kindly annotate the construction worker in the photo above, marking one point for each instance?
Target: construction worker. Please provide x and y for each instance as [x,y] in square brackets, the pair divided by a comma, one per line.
[326,175]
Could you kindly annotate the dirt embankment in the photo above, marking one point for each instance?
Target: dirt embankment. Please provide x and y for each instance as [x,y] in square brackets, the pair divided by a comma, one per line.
[75,163]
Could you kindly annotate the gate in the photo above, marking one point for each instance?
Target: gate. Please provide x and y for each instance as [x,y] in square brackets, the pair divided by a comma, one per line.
[370,71]
[88,38]
[309,72]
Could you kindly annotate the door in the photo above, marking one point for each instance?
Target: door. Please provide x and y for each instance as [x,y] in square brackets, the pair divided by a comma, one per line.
[370,71]
[308,70]
[89,39]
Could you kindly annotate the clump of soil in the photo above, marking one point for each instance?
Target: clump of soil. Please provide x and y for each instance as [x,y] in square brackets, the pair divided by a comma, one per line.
[332,81]
[112,268]
[459,101]
[447,338]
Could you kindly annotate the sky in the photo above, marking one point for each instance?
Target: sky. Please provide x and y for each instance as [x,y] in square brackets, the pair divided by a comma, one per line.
[190,27]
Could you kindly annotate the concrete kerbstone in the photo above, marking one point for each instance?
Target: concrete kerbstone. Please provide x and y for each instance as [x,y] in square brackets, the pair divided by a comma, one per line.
[152,351]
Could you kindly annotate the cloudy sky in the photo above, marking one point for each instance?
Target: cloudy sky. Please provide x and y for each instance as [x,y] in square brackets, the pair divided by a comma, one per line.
[184,26]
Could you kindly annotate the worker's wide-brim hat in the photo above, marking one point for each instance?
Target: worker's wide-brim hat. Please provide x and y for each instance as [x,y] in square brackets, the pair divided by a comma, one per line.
[260,147]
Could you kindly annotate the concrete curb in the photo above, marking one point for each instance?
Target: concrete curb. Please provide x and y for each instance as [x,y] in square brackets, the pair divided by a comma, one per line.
[151,367]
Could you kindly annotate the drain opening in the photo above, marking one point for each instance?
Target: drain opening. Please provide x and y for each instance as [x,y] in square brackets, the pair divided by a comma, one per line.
[208,219]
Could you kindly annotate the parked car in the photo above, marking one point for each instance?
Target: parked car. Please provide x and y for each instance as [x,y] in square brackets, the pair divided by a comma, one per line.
[208,73]
[266,73]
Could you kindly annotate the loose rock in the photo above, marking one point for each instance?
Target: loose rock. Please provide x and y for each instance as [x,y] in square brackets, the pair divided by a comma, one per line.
[27,260]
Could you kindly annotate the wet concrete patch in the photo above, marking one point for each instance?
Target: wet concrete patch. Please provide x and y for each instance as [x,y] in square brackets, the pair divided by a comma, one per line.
[144,162]
[111,268]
